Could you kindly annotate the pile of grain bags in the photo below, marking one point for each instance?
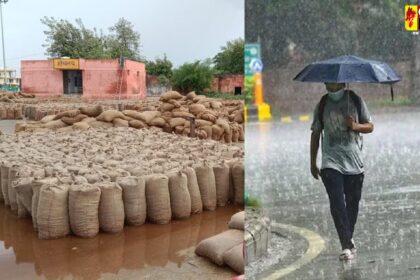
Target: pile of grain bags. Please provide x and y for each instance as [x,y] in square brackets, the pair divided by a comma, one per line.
[226,248]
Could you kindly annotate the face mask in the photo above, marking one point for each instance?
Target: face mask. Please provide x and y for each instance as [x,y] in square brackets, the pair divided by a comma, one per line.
[336,95]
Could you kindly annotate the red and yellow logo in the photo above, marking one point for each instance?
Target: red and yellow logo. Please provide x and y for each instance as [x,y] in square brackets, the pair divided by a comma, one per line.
[411,17]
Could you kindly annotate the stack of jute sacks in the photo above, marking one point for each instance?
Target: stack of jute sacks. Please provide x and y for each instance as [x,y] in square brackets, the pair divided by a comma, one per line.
[211,119]
[226,248]
[85,181]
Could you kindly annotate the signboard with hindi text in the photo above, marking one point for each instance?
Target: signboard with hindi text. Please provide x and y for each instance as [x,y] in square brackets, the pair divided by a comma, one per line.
[66,63]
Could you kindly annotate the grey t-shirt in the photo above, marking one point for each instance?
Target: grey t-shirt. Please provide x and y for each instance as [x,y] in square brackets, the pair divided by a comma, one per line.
[341,148]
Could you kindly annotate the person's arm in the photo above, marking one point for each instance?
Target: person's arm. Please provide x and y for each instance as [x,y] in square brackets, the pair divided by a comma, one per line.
[359,127]
[314,153]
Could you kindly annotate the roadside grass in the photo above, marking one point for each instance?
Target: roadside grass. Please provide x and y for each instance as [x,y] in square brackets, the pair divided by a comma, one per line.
[398,102]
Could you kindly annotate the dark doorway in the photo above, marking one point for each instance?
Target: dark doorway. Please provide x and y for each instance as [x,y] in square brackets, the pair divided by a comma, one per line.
[72,82]
[238,90]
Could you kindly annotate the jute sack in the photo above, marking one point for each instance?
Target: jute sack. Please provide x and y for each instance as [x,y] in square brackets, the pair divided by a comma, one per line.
[109,116]
[23,188]
[111,207]
[54,124]
[180,196]
[134,198]
[170,95]
[1,190]
[221,174]
[84,209]
[22,212]
[238,175]
[194,190]
[237,221]
[69,113]
[92,111]
[81,126]
[36,188]
[13,176]
[207,184]
[100,124]
[4,181]
[234,258]
[120,122]
[158,199]
[214,247]
[53,214]
[137,124]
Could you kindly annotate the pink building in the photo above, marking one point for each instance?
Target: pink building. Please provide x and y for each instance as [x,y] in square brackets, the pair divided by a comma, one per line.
[228,83]
[91,78]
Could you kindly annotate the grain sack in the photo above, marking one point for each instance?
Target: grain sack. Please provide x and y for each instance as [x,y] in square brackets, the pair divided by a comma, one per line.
[194,190]
[207,184]
[111,207]
[196,109]
[228,136]
[69,113]
[215,104]
[36,189]
[237,221]
[234,258]
[23,188]
[92,111]
[223,124]
[201,123]
[208,116]
[137,124]
[181,114]
[88,120]
[209,130]
[65,129]
[84,210]
[176,122]
[179,195]
[109,116]
[158,121]
[1,190]
[52,214]
[239,116]
[164,107]
[221,174]
[175,103]
[22,212]
[170,95]
[214,247]
[158,199]
[148,116]
[217,132]
[81,126]
[120,122]
[133,114]
[13,176]
[238,176]
[72,120]
[191,95]
[100,124]
[54,124]
[241,136]
[4,183]
[47,119]
[134,198]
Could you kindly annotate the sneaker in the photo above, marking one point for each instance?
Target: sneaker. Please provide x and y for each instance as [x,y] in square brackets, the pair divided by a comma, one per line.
[346,255]
[354,249]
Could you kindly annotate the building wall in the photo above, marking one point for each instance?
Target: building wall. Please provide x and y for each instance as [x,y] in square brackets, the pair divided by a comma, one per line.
[227,83]
[102,79]
[39,77]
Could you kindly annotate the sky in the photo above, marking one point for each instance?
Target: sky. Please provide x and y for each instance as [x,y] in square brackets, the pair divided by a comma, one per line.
[184,30]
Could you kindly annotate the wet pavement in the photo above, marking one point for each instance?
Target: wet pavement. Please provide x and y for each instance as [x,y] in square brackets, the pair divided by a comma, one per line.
[144,252]
[388,229]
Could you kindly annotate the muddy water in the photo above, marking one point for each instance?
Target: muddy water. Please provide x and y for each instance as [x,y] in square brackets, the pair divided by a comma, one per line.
[145,252]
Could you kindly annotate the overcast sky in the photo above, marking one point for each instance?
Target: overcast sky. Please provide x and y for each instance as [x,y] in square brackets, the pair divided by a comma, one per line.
[186,30]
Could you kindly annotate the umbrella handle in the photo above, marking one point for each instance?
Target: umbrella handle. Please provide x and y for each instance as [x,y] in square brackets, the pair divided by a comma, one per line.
[392,93]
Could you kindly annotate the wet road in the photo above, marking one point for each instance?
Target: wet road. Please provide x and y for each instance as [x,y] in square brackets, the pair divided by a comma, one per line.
[145,252]
[388,230]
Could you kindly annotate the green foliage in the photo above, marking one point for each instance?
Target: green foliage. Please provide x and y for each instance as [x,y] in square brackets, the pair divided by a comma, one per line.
[230,60]
[222,95]
[64,38]
[398,101]
[160,67]
[195,76]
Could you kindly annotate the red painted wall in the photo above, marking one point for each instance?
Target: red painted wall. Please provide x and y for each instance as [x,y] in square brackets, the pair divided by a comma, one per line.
[227,83]
[39,77]
[102,79]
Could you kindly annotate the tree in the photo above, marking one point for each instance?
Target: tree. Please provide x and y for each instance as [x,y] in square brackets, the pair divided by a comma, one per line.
[195,76]
[160,67]
[77,41]
[230,60]
[124,40]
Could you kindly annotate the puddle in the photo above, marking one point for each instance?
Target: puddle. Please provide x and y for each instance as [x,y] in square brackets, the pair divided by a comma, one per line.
[147,252]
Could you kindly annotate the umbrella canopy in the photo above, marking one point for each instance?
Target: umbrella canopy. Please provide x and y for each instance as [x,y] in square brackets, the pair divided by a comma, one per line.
[348,69]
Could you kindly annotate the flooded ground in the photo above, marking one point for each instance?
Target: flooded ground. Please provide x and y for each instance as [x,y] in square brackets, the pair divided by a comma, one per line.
[145,252]
[388,229]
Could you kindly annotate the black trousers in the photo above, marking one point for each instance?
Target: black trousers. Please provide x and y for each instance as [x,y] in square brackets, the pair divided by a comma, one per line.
[344,192]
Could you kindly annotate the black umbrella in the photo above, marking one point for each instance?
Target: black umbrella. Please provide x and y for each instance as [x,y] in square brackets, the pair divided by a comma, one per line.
[349,69]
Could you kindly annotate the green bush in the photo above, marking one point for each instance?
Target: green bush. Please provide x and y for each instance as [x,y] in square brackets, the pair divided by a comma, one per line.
[195,76]
[222,95]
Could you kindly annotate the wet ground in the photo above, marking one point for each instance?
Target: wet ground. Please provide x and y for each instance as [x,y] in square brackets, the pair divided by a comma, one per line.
[7,126]
[144,252]
[388,230]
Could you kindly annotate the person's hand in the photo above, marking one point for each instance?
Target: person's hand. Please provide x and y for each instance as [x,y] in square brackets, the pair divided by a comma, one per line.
[315,171]
[351,123]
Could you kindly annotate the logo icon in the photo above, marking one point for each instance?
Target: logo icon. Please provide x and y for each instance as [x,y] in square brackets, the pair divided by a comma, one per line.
[411,18]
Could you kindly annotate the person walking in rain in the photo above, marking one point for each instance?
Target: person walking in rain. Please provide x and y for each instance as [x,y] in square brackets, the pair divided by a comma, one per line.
[339,119]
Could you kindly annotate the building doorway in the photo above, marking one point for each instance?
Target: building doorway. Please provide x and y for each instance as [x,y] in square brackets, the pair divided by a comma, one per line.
[72,82]
[238,90]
